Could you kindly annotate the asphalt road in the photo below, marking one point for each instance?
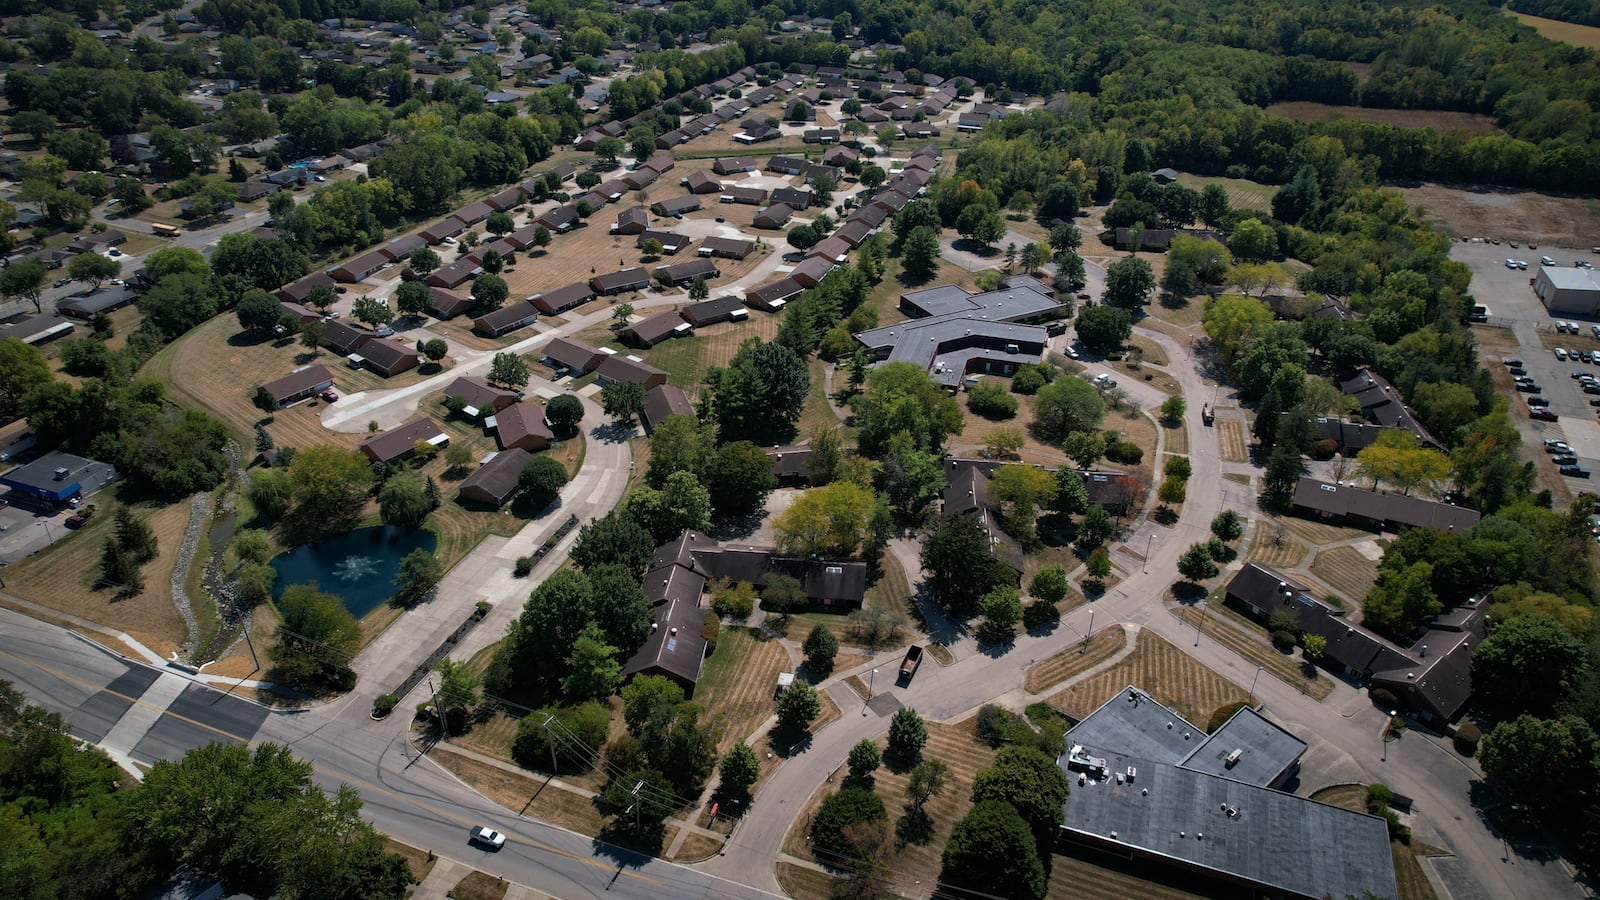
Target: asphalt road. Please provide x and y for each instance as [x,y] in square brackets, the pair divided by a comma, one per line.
[408,798]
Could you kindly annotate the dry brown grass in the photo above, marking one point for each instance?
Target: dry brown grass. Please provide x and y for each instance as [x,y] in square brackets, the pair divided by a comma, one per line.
[62,576]
[697,847]
[1439,120]
[478,886]
[1235,447]
[1075,660]
[956,746]
[1250,641]
[1177,439]
[803,883]
[1346,570]
[1566,32]
[529,795]
[1266,548]
[1317,532]
[1162,670]
[1567,221]
[420,862]
[738,681]
[1116,878]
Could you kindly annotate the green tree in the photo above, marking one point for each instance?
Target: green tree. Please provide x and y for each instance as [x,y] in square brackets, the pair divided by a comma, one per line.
[459,685]
[649,697]
[1104,328]
[1172,410]
[1002,610]
[1529,663]
[271,492]
[93,268]
[761,393]
[1064,406]
[311,335]
[412,298]
[622,400]
[921,253]
[739,771]
[419,573]
[371,312]
[797,706]
[820,648]
[564,412]
[1049,584]
[490,291]
[1030,781]
[258,311]
[500,223]
[960,569]
[317,638]
[613,539]
[850,806]
[329,485]
[993,851]
[907,735]
[621,608]
[540,480]
[900,396]
[508,370]
[423,261]
[927,780]
[594,670]
[1253,240]
[1196,564]
[832,521]
[1129,282]
[681,503]
[1227,526]
[1099,564]
[541,640]
[537,736]
[22,370]
[402,501]
[863,759]
[1023,490]
[25,279]
[740,477]
[1544,763]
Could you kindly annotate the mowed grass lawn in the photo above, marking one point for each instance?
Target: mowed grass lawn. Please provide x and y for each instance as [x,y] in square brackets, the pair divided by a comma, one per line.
[1161,669]
[738,680]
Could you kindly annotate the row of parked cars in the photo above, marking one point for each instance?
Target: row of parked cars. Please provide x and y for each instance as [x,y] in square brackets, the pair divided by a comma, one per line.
[1561,454]
[1538,406]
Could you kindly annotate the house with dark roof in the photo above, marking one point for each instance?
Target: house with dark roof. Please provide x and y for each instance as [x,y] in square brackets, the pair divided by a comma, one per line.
[820,136]
[773,295]
[631,221]
[343,338]
[750,196]
[684,273]
[446,304]
[702,183]
[654,329]
[676,207]
[359,268]
[100,300]
[306,381]
[733,165]
[385,356]
[521,425]
[495,482]
[791,464]
[710,312]
[633,278]
[1318,499]
[481,397]
[506,319]
[299,313]
[832,248]
[1149,786]
[675,647]
[795,198]
[727,248]
[967,493]
[438,231]
[628,369]
[402,247]
[640,178]
[662,401]
[56,478]
[775,216]
[670,243]
[474,213]
[1381,403]
[562,298]
[459,272]
[811,271]
[560,220]
[506,199]
[838,583]
[400,443]
[1349,438]
[576,357]
[298,291]
[1432,678]
[787,165]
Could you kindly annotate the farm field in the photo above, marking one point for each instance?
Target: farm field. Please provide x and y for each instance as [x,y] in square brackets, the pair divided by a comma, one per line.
[958,747]
[1516,215]
[1162,670]
[1075,660]
[1439,120]
[1577,35]
[1345,569]
[1242,193]
[738,680]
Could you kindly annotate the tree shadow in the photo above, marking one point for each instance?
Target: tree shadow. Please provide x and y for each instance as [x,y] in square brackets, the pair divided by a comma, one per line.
[733,526]
[628,846]
[612,433]
[967,245]
[1093,589]
[1188,593]
[250,338]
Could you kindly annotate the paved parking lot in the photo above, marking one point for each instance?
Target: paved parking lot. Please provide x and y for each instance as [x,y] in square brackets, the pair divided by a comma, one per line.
[22,533]
[1512,304]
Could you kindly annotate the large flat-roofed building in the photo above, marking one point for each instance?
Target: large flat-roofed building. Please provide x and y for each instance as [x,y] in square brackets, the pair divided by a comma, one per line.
[1573,291]
[56,477]
[952,346]
[1148,785]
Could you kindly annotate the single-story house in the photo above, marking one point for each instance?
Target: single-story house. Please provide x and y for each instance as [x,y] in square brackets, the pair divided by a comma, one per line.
[774,294]
[255,190]
[386,357]
[481,397]
[820,136]
[702,183]
[675,647]
[733,165]
[496,480]
[797,198]
[359,268]
[633,278]
[506,319]
[507,198]
[676,207]
[670,243]
[832,248]
[475,213]
[575,356]
[684,273]
[562,298]
[459,272]
[344,338]
[775,216]
[750,196]
[57,477]
[521,425]
[629,369]
[559,220]
[787,165]
[710,312]
[402,247]
[631,221]
[664,400]
[399,443]
[727,248]
[299,313]
[657,328]
[811,272]
[1384,512]
[791,464]
[447,304]
[438,231]
[298,291]
[303,382]
[87,306]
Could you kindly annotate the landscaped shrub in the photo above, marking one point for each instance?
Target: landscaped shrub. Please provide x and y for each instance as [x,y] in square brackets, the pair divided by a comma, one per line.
[1125,452]
[1178,467]
[1384,698]
[711,631]
[992,402]
[1283,640]
[523,567]
[1466,738]
[1284,620]
[996,725]
[384,705]
[1324,450]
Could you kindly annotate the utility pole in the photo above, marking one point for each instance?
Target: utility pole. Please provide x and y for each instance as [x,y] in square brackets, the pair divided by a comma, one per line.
[1252,700]
[636,804]
[550,739]
[1091,632]
[1200,624]
[870,679]
[444,724]
[1147,544]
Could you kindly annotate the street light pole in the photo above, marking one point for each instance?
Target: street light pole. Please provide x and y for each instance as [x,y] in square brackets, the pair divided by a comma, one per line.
[1252,700]
[1091,632]
[444,725]
[1199,624]
[1147,552]
[871,679]
[48,537]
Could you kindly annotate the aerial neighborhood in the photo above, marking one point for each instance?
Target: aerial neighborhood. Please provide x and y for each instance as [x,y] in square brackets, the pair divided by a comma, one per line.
[683,449]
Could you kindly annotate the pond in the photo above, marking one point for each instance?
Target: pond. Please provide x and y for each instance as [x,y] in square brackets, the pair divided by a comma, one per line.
[358,567]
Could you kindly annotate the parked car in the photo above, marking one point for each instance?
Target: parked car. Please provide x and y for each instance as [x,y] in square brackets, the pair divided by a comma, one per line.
[1561,354]
[330,395]
[1518,370]
[1564,459]
[62,282]
[1547,261]
[1522,264]
[1575,471]
[1543,414]
[1511,264]
[1555,446]
[1538,401]
[1516,361]
[1529,387]
[487,837]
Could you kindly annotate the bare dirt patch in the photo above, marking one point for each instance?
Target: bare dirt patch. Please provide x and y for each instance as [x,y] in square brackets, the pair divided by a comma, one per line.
[1566,32]
[1161,669]
[1508,214]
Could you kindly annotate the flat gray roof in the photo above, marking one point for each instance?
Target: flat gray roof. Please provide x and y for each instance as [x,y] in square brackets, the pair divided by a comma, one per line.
[1133,724]
[1266,750]
[1573,279]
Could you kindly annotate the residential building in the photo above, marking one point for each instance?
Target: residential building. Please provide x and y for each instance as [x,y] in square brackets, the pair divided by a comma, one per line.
[306,381]
[400,443]
[633,278]
[1378,511]
[727,248]
[710,312]
[628,369]
[662,401]
[576,357]
[386,357]
[684,273]
[506,319]
[495,482]
[521,425]
[480,397]
[562,298]
[654,329]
